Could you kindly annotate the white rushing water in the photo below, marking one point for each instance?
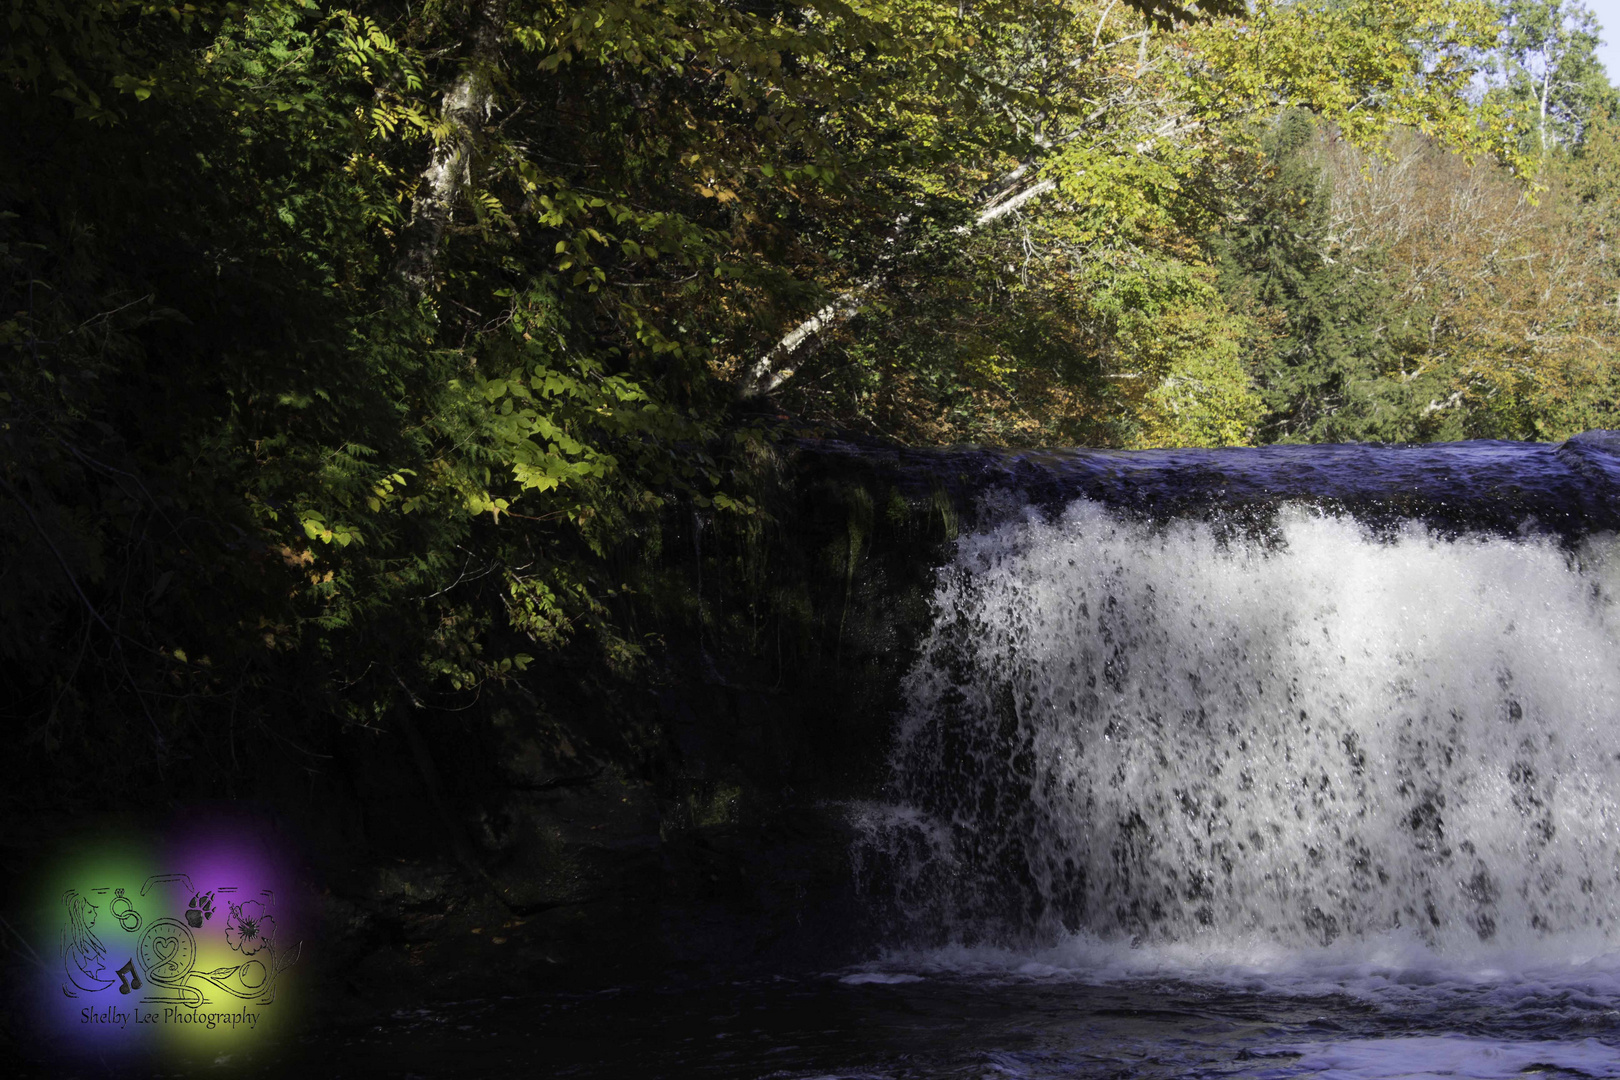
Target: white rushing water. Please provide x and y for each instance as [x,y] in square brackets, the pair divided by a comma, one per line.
[1128,740]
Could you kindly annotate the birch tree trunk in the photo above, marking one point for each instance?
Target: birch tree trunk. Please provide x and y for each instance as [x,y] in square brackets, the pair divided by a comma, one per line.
[465,110]
[1546,92]
[773,369]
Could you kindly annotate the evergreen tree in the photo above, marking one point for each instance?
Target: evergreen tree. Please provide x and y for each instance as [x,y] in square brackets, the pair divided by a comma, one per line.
[1318,370]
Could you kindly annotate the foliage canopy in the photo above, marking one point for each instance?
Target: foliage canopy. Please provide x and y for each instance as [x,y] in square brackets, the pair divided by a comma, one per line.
[346,350]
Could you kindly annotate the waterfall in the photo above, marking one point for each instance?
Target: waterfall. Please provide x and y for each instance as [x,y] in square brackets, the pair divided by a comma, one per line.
[1303,734]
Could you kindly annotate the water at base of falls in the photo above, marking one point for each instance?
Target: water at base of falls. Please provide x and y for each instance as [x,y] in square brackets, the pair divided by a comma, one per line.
[980,1016]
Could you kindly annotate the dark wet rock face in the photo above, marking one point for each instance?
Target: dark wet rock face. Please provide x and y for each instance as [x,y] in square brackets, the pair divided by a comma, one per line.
[1567,488]
[684,821]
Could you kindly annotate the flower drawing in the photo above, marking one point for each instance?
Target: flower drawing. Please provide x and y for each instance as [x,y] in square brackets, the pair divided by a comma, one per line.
[250,928]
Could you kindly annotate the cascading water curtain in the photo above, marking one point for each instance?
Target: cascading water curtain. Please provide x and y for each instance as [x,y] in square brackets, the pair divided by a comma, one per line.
[1155,733]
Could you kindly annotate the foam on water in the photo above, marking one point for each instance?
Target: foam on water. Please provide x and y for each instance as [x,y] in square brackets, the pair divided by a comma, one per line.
[1454,1058]
[885,978]
[1393,972]
[1300,756]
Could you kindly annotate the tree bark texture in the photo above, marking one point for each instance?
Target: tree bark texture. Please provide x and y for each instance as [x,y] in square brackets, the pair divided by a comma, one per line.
[774,368]
[466,109]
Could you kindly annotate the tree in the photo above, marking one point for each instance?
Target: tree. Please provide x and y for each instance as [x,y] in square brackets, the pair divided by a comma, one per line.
[1546,71]
[1334,326]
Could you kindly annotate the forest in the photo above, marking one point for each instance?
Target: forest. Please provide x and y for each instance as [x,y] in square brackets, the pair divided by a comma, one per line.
[355,356]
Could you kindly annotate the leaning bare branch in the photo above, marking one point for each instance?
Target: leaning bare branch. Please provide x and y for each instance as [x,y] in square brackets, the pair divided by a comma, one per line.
[769,371]
[1002,209]
[773,369]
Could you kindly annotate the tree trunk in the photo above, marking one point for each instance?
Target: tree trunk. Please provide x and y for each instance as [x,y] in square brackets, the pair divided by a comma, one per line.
[465,109]
[1546,91]
[771,370]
